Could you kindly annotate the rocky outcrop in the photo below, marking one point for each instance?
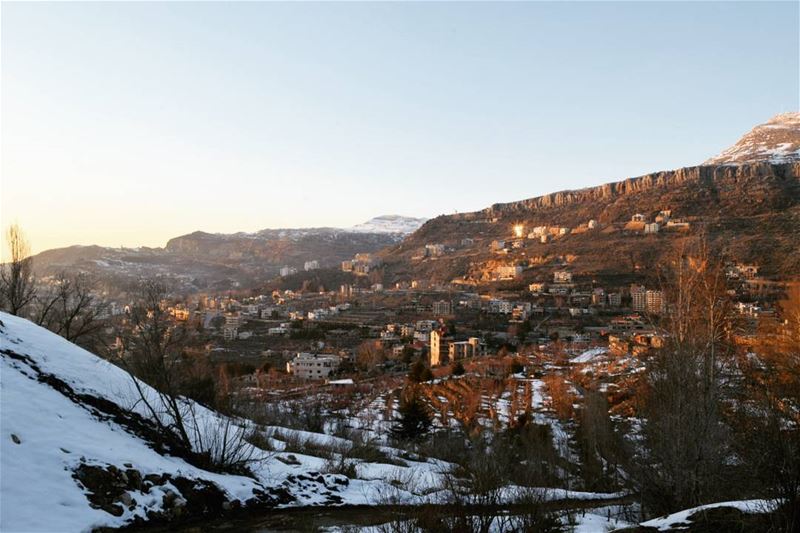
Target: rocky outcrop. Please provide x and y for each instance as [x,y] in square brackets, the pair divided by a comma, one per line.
[749,210]
[706,175]
[171,498]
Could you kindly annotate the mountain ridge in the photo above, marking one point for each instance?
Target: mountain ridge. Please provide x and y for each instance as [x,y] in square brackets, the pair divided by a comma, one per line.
[751,210]
[775,141]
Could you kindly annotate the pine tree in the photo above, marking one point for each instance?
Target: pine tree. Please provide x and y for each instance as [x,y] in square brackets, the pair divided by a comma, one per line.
[419,372]
[415,416]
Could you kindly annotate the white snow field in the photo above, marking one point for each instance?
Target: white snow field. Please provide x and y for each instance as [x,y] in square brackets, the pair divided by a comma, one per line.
[681,518]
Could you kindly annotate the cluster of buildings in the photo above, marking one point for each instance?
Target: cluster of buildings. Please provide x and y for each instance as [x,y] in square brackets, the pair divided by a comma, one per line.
[507,272]
[361,264]
[647,300]
[546,233]
[431,251]
[663,220]
[444,349]
[307,266]
[323,313]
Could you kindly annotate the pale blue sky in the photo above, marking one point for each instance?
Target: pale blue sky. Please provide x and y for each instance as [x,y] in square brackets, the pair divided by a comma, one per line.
[127,124]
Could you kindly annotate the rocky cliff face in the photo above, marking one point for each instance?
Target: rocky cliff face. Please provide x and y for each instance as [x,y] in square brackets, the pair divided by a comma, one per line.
[708,176]
[751,210]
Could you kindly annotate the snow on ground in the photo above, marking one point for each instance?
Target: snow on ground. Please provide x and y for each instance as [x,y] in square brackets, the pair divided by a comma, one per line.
[561,437]
[390,224]
[37,490]
[594,520]
[52,435]
[681,518]
[46,434]
[776,141]
[589,355]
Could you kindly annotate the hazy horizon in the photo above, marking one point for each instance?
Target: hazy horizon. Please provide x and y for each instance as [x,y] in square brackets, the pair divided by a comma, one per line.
[128,124]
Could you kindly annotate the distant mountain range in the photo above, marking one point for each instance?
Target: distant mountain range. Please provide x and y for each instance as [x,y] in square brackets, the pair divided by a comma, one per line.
[216,261]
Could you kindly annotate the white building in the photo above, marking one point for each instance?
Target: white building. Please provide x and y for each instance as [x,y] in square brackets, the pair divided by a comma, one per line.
[288,271]
[508,271]
[313,366]
[500,306]
[562,276]
[537,287]
[425,326]
[464,349]
[434,250]
[233,321]
[537,232]
[311,265]
[652,227]
[442,307]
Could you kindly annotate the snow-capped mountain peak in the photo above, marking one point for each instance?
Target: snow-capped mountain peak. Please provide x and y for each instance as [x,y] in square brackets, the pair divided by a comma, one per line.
[390,224]
[775,141]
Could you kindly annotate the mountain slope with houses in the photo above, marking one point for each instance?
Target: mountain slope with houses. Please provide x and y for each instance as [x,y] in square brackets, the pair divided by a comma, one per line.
[747,200]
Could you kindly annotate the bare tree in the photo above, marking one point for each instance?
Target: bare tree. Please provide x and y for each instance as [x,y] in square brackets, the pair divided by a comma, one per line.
[686,440]
[768,413]
[70,308]
[17,288]
[152,349]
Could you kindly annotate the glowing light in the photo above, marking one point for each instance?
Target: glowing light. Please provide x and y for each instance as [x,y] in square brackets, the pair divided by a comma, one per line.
[519,231]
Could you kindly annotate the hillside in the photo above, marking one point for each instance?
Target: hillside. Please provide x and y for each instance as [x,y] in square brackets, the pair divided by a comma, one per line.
[79,451]
[776,141]
[747,200]
[752,210]
[214,261]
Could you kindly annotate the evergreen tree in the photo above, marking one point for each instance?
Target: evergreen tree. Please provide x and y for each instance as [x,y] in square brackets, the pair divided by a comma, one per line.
[415,417]
[419,372]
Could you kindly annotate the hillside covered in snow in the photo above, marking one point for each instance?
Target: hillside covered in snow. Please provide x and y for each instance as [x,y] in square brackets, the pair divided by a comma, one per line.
[776,141]
[80,450]
[390,224]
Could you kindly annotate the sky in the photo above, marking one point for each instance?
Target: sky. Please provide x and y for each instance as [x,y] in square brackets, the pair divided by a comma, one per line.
[126,124]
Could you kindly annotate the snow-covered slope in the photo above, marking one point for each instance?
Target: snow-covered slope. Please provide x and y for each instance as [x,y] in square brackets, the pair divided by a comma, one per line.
[78,452]
[390,224]
[683,519]
[71,432]
[776,141]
